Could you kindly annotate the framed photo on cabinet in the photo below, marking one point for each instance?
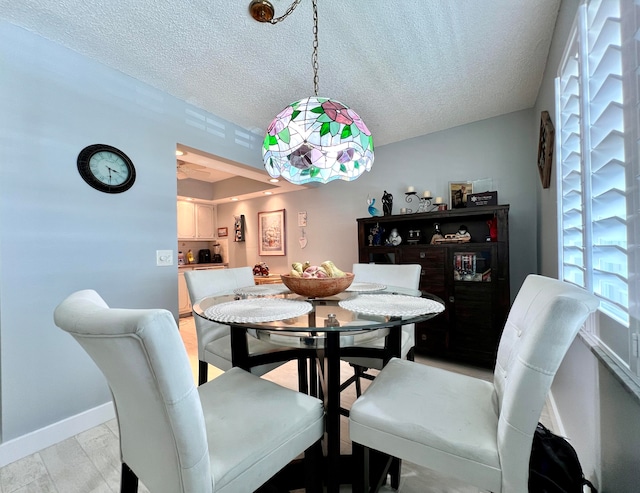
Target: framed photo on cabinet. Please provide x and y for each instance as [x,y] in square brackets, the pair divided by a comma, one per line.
[271,233]
[458,191]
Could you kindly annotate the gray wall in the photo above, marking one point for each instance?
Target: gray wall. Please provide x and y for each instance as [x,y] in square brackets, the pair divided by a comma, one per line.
[58,235]
[599,416]
[500,148]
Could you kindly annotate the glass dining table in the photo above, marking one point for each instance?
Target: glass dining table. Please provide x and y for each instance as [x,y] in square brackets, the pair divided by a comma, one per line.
[321,330]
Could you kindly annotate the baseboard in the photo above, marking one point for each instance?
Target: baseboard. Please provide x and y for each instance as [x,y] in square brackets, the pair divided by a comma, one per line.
[35,441]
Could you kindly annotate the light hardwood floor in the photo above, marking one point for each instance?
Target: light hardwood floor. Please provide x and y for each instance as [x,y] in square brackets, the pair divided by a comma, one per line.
[89,462]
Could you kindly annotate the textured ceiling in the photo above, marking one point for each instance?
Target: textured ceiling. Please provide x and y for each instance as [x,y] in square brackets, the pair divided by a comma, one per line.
[408,67]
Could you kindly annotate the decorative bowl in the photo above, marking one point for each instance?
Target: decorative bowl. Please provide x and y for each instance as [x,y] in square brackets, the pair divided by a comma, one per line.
[315,287]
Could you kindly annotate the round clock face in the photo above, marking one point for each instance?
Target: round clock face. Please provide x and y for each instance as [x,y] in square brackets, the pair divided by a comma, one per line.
[106,168]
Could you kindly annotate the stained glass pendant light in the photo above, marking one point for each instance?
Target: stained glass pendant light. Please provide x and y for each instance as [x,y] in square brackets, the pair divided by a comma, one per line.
[314,139]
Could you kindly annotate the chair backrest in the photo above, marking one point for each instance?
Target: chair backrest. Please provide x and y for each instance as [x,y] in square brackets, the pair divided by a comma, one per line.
[208,282]
[141,354]
[542,323]
[401,275]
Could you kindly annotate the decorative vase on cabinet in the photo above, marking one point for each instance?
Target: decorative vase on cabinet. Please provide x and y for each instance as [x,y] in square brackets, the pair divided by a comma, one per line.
[470,276]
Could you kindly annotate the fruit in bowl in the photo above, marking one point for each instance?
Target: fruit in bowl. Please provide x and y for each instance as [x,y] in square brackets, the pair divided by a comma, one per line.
[317,281]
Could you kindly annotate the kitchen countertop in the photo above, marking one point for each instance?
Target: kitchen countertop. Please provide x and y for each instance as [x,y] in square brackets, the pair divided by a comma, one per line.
[209,264]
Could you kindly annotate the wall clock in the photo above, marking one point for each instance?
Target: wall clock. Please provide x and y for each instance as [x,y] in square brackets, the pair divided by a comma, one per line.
[106,168]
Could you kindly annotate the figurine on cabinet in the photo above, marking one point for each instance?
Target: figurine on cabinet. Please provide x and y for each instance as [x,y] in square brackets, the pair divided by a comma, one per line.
[437,234]
[387,203]
[372,208]
[414,236]
[394,238]
[493,229]
[463,234]
[377,232]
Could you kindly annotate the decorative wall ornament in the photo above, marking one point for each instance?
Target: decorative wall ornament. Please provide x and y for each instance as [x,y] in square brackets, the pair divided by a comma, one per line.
[545,148]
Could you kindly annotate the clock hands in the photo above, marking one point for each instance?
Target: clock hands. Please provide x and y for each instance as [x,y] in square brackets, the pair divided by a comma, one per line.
[110,170]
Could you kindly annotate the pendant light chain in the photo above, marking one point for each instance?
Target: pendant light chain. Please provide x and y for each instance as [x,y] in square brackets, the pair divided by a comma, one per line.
[314,57]
[291,8]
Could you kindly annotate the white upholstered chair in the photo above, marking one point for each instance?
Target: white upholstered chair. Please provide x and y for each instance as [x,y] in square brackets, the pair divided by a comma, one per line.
[478,431]
[399,275]
[231,434]
[214,341]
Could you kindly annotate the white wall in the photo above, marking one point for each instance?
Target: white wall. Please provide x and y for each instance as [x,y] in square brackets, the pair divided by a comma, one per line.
[598,415]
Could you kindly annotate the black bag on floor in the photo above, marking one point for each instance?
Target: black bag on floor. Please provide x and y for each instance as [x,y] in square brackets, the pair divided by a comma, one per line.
[554,466]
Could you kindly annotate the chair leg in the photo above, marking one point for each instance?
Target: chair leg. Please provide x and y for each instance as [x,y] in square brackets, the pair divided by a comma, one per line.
[303,377]
[358,374]
[394,472]
[129,480]
[313,468]
[203,372]
[360,479]
[411,355]
[313,378]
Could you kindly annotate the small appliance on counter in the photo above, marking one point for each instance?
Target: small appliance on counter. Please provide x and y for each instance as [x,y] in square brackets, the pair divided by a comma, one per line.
[181,259]
[217,258]
[204,256]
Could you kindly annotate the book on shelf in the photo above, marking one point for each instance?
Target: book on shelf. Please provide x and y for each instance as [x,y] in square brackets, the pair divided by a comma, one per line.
[465,266]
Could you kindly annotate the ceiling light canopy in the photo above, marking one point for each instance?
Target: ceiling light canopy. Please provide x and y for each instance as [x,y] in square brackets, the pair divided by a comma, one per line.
[314,139]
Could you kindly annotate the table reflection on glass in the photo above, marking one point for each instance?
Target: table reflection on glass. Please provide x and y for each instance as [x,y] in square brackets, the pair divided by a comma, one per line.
[298,322]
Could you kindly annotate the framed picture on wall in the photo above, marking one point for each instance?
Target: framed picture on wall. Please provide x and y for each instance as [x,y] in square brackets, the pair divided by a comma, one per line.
[223,232]
[458,191]
[271,233]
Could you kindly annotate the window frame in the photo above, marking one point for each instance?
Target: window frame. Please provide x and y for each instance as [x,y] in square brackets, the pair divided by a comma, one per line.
[615,335]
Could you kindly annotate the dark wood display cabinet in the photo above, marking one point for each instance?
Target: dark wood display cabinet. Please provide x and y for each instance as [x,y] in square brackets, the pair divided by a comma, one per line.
[472,278]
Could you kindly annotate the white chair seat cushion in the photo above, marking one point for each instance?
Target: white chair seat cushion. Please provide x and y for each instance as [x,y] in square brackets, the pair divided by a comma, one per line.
[218,353]
[233,419]
[431,417]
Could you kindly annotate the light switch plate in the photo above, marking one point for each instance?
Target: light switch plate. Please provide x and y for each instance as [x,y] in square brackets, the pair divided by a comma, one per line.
[164,257]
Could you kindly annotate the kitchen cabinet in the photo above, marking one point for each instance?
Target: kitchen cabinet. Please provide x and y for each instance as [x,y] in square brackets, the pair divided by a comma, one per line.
[205,221]
[472,278]
[196,220]
[184,302]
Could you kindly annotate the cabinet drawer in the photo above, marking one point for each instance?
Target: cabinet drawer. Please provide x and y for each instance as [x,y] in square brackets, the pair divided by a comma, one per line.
[427,255]
[433,262]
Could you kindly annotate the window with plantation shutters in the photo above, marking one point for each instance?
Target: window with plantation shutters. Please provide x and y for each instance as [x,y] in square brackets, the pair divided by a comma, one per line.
[597,119]
[571,168]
